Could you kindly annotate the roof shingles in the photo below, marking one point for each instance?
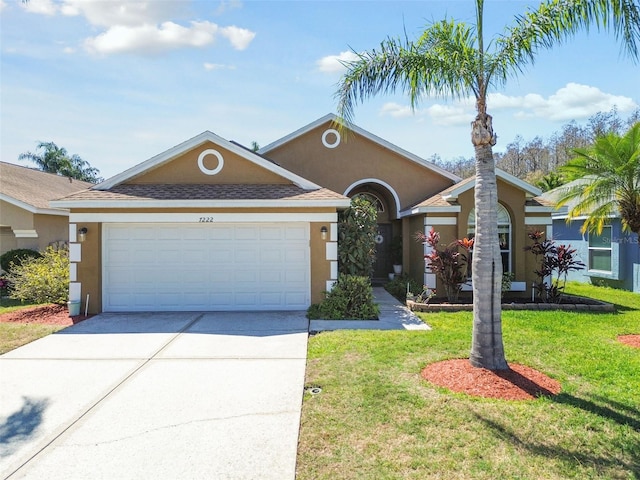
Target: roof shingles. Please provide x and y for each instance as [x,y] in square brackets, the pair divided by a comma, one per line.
[35,187]
[167,192]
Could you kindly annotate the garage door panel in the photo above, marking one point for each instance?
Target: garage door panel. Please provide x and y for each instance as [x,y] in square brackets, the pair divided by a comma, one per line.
[206,267]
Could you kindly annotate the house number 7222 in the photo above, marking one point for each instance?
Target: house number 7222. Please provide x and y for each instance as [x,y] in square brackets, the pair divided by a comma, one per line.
[206,220]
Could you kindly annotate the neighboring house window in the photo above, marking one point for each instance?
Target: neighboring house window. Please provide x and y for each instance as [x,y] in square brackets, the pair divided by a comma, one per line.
[504,234]
[600,250]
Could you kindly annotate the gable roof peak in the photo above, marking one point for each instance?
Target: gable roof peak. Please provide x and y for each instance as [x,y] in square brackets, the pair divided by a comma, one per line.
[194,142]
[363,133]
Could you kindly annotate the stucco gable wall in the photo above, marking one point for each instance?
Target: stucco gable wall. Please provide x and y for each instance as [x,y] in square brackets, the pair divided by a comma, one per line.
[356,158]
[185,170]
[15,217]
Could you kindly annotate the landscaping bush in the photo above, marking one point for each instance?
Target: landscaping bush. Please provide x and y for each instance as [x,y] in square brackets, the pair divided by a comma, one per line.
[42,280]
[357,230]
[398,286]
[555,263]
[15,257]
[350,298]
[448,263]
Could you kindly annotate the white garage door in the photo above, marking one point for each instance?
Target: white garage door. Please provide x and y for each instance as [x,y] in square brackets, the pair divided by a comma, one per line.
[205,267]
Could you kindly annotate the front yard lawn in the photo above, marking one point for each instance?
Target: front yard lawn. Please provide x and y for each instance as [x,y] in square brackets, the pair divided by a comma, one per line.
[13,334]
[376,418]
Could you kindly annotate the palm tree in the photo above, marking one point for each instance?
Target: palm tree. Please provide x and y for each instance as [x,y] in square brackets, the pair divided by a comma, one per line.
[607,182]
[451,59]
[550,181]
[54,159]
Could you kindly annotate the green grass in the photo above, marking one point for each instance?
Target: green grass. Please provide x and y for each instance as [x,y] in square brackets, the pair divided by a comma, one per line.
[14,335]
[9,305]
[377,419]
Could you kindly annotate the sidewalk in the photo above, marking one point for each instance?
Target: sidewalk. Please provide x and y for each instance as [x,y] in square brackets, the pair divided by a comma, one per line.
[393,316]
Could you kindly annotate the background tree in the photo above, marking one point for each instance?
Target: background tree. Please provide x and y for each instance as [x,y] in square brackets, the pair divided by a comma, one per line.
[54,159]
[607,178]
[550,181]
[451,59]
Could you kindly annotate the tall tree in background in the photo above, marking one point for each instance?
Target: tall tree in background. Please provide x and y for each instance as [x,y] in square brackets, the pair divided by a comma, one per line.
[608,183]
[54,159]
[451,59]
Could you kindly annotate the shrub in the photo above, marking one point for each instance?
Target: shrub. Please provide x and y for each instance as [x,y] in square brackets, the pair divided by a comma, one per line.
[350,298]
[15,257]
[448,263]
[556,261]
[398,286]
[507,280]
[42,280]
[357,229]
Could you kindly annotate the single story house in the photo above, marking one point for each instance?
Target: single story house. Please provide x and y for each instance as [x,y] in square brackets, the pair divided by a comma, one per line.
[612,258]
[26,219]
[211,225]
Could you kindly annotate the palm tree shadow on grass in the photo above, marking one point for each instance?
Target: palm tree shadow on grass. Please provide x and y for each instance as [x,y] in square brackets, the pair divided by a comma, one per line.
[605,408]
[566,455]
[21,425]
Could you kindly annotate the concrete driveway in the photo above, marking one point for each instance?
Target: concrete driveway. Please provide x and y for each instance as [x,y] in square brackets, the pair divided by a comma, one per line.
[162,396]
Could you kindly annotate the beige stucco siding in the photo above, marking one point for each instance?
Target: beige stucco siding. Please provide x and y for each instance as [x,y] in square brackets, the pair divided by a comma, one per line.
[185,170]
[354,159]
[48,228]
[89,269]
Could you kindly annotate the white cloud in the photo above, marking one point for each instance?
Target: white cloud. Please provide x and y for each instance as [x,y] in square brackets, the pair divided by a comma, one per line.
[143,26]
[240,38]
[42,7]
[571,102]
[218,66]
[450,115]
[226,5]
[333,63]
[149,38]
[3,4]
[396,110]
[122,12]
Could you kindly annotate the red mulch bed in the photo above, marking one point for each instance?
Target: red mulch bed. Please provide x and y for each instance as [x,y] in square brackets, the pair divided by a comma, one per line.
[518,383]
[631,340]
[44,314]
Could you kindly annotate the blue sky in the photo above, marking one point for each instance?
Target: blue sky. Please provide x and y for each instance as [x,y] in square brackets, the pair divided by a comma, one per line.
[118,82]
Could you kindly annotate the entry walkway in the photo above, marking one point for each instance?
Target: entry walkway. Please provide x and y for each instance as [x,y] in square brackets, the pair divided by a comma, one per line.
[393,316]
[162,396]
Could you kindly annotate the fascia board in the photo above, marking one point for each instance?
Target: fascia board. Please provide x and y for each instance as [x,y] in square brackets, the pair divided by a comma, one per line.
[422,210]
[194,142]
[31,209]
[501,174]
[538,209]
[133,204]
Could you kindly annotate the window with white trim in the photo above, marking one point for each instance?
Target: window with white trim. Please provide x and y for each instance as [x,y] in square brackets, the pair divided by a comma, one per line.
[600,250]
[504,234]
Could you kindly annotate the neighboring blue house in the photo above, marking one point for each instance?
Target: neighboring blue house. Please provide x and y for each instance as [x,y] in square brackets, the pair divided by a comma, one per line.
[611,258]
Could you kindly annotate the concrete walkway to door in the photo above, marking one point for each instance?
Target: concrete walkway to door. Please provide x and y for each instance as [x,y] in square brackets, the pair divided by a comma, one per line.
[162,396]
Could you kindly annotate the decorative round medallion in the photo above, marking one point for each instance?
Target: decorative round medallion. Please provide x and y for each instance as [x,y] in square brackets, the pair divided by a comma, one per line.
[379,239]
[336,141]
[209,171]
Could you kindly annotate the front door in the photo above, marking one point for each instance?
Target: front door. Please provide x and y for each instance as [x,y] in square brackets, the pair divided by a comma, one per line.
[383,266]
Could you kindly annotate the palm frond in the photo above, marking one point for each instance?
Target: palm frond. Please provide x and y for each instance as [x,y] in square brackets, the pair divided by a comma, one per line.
[442,61]
[555,21]
[608,181]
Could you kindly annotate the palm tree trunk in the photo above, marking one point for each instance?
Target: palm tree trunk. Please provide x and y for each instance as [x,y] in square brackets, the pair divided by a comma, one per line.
[487,350]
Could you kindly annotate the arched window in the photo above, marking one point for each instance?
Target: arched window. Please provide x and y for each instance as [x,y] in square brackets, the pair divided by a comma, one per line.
[504,234]
[379,204]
